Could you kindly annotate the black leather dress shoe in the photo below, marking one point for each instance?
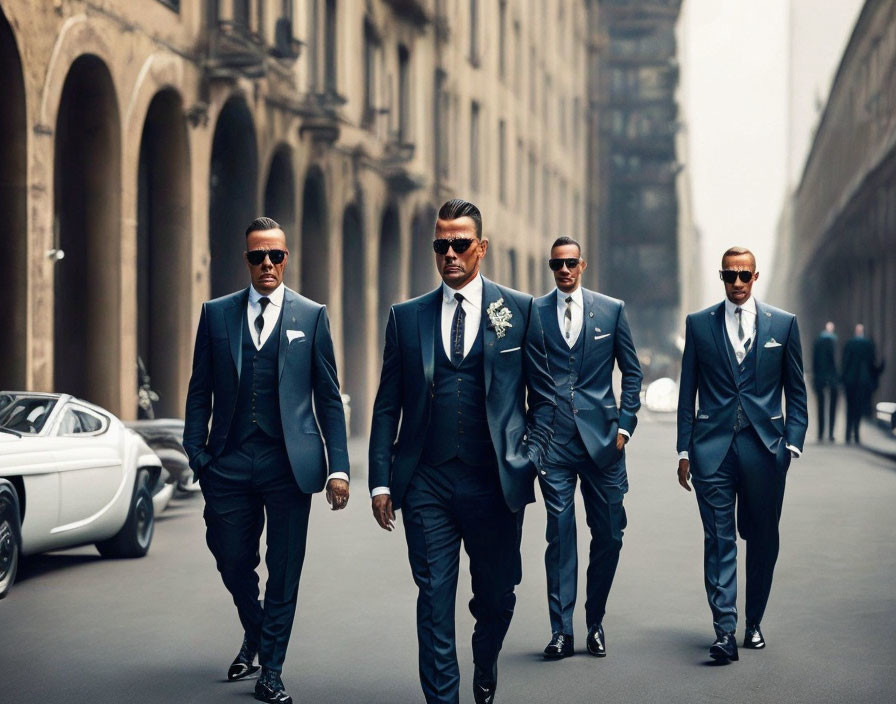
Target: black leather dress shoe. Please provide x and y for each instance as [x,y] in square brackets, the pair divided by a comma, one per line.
[485,682]
[242,666]
[561,646]
[597,642]
[269,688]
[724,649]
[753,639]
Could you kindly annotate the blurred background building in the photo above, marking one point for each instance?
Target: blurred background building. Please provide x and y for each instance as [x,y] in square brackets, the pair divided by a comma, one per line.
[138,139]
[836,247]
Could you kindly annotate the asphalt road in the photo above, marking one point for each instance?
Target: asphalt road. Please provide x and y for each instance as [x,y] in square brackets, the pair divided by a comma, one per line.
[78,628]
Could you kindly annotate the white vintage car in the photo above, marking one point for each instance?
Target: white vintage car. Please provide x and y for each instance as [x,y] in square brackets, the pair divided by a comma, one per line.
[73,475]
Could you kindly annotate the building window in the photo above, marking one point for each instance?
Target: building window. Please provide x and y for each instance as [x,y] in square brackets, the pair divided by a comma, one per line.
[241,15]
[517,59]
[520,169]
[502,161]
[533,186]
[474,146]
[442,105]
[474,32]
[532,79]
[330,47]
[371,77]
[502,40]
[404,94]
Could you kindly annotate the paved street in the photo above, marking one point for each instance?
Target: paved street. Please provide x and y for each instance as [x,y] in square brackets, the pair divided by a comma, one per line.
[162,629]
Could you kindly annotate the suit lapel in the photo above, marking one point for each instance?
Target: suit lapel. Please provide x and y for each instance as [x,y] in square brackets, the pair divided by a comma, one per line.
[287,322]
[717,321]
[763,329]
[428,319]
[490,294]
[233,319]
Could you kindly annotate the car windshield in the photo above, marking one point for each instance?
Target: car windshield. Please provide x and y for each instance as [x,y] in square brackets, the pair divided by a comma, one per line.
[26,414]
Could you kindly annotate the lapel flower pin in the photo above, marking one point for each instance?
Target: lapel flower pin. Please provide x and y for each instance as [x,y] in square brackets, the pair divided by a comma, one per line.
[499,316]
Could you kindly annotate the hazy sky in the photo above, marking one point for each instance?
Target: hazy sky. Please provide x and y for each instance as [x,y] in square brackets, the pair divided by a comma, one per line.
[738,101]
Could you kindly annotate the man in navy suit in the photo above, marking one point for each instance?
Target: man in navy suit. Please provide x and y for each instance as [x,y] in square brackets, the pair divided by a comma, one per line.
[859,379]
[262,356]
[586,335]
[740,356]
[452,446]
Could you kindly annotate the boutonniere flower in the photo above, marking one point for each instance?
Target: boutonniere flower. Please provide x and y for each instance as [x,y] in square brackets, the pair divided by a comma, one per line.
[499,315]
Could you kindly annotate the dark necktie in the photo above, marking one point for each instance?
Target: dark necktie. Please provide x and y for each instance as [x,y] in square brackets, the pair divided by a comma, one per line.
[568,315]
[740,322]
[457,331]
[259,321]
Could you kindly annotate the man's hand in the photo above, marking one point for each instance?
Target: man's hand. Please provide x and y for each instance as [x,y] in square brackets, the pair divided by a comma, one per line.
[337,493]
[684,473]
[621,440]
[382,511]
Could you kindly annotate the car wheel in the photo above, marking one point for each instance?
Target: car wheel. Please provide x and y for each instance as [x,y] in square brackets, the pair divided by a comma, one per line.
[9,545]
[135,536]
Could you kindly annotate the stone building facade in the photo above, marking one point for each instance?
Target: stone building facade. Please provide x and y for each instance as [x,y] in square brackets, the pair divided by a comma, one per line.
[139,138]
[836,257]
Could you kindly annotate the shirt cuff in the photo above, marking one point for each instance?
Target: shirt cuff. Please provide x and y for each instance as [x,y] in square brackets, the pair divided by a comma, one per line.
[794,452]
[380,490]
[338,475]
[627,434]
[683,455]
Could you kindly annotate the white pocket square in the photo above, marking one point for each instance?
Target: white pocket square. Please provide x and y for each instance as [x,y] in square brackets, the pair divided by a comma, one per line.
[294,335]
[512,349]
[601,337]
[772,343]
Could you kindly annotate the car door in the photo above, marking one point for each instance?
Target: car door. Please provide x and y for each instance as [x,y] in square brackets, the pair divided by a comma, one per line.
[90,468]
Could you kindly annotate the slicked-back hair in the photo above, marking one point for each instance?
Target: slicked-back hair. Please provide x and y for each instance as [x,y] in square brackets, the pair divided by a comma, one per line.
[564,240]
[459,208]
[261,225]
[738,252]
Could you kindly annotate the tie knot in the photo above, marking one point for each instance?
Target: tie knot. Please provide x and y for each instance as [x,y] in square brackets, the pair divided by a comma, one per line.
[263,302]
[459,297]
[738,311]
[569,299]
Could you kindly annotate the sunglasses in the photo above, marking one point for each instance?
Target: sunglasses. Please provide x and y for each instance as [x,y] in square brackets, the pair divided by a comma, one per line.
[558,264]
[458,244]
[256,256]
[729,276]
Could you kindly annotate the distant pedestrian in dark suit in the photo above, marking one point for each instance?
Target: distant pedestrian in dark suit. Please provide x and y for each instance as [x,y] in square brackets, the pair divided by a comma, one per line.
[825,378]
[263,358]
[452,446]
[587,336]
[740,357]
[859,380]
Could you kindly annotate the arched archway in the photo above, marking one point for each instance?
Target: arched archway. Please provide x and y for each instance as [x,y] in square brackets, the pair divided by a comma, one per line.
[422,270]
[389,285]
[232,195]
[280,204]
[315,238]
[163,248]
[87,204]
[354,318]
[13,205]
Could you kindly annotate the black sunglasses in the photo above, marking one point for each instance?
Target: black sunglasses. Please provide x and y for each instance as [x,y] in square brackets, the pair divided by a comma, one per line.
[458,244]
[558,264]
[729,276]
[256,256]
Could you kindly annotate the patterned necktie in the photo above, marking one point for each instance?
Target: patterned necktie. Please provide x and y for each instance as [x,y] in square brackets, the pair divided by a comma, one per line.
[457,331]
[568,316]
[259,321]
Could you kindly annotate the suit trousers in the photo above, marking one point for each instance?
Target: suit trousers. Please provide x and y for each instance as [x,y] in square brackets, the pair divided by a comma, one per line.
[240,487]
[444,506]
[752,479]
[856,403]
[602,489]
[829,390]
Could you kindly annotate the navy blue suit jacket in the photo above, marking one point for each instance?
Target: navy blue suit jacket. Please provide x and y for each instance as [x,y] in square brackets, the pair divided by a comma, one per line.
[307,370]
[513,364]
[607,339]
[708,367]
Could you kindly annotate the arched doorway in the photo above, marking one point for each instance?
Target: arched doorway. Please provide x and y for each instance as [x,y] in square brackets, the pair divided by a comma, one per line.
[280,204]
[163,248]
[232,196]
[13,205]
[87,195]
[354,319]
[422,269]
[315,238]
[389,285]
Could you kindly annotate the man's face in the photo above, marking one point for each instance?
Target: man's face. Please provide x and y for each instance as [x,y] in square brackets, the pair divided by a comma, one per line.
[566,278]
[739,292]
[457,268]
[266,277]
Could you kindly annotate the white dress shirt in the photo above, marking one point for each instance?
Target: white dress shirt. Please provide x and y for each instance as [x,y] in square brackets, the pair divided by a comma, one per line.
[578,315]
[271,313]
[472,303]
[748,316]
